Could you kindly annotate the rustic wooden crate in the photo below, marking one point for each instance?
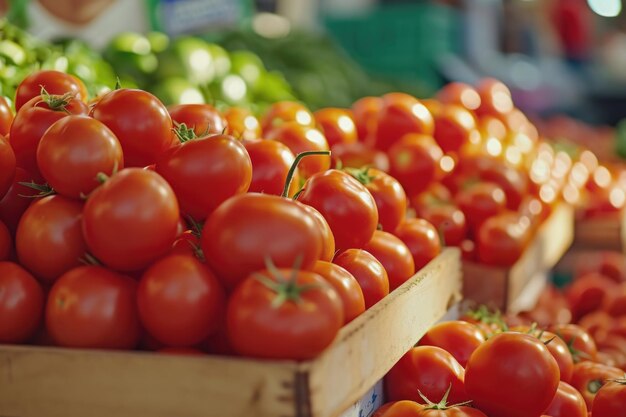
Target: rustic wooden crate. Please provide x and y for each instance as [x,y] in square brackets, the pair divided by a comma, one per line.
[56,382]
[601,233]
[513,289]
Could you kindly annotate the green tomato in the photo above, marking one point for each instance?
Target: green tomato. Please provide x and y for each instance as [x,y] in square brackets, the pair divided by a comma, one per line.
[248,66]
[221,60]
[231,89]
[159,41]
[189,58]
[176,90]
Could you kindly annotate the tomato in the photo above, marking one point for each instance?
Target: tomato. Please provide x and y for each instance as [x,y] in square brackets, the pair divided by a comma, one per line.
[21,304]
[364,113]
[479,202]
[414,162]
[495,98]
[16,200]
[286,111]
[567,402]
[49,239]
[205,172]
[502,239]
[587,293]
[459,338]
[299,138]
[55,82]
[513,182]
[254,227]
[468,250]
[337,125]
[610,399]
[500,381]
[454,127]
[7,166]
[394,255]
[131,220]
[448,219]
[368,271]
[597,324]
[31,122]
[429,370]
[358,155]
[391,201]
[460,94]
[579,341]
[346,204]
[73,151]
[242,124]
[188,243]
[615,302]
[283,314]
[421,238]
[204,119]
[401,114]
[560,352]
[458,411]
[271,162]
[6,243]
[180,301]
[347,288]
[6,116]
[610,264]
[589,377]
[328,240]
[93,307]
[436,193]
[403,408]
[139,121]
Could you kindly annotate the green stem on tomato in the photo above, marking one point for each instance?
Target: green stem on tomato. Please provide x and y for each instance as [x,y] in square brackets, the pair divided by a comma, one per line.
[292,169]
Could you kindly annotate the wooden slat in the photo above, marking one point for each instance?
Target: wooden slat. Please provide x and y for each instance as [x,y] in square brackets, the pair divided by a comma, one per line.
[603,233]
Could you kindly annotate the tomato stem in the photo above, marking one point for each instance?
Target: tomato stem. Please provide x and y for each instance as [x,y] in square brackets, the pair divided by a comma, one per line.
[362,175]
[44,189]
[286,289]
[56,102]
[443,404]
[89,259]
[292,169]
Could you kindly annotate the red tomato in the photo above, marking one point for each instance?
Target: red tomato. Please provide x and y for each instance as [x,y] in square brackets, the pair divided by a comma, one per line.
[421,238]
[449,220]
[139,121]
[587,293]
[414,162]
[328,240]
[93,307]
[388,194]
[204,119]
[459,338]
[364,113]
[6,116]
[429,370]
[13,205]
[299,138]
[55,82]
[131,220]
[560,352]
[188,243]
[567,402]
[73,151]
[460,94]
[513,182]
[454,128]
[502,239]
[394,255]
[346,286]
[436,193]
[346,204]
[615,302]
[286,111]
[21,304]
[242,124]
[31,122]
[368,271]
[495,98]
[581,344]
[218,164]
[610,400]
[401,114]
[404,408]
[589,377]
[597,324]
[256,227]
[180,301]
[271,162]
[506,357]
[7,166]
[479,202]
[358,155]
[283,314]
[6,243]
[468,250]
[49,240]
[611,264]
[337,125]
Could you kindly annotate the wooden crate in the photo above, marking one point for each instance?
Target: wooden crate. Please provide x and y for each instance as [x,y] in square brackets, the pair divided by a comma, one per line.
[516,288]
[56,382]
[602,233]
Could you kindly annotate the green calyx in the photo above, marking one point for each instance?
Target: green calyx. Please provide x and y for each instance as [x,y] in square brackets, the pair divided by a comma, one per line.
[287,289]
[362,175]
[56,102]
[443,404]
[44,190]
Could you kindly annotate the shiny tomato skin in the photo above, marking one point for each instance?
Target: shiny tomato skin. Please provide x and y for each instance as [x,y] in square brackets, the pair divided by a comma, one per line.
[364,113]
[7,166]
[131,220]
[29,125]
[242,124]
[459,338]
[294,330]
[21,303]
[421,238]
[368,271]
[567,402]
[454,127]
[6,116]
[205,172]
[180,301]
[328,239]
[337,125]
[506,357]
[495,98]
[49,239]
[394,255]
[560,352]
[479,202]
[73,151]
[254,227]
[6,243]
[139,121]
[358,155]
[615,302]
[284,112]
[581,344]
[402,408]
[346,285]
[589,377]
[401,114]
[204,119]
[55,82]
[610,400]
[13,205]
[414,162]
[501,239]
[346,204]
[299,138]
[93,307]
[460,94]
[271,162]
[430,370]
[449,220]
[588,292]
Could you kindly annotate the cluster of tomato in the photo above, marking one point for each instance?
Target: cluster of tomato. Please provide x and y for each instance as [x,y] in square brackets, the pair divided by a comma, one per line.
[479,366]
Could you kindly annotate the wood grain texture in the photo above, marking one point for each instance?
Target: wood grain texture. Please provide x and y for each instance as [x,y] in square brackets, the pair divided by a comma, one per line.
[604,233]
